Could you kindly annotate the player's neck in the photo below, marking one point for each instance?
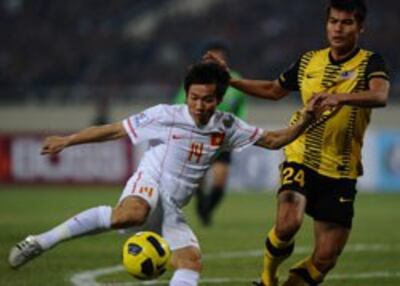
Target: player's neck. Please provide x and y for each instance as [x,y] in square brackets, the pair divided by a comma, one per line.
[341,55]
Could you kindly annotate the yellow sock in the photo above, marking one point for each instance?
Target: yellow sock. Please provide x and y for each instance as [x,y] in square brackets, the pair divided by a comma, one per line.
[304,273]
[275,253]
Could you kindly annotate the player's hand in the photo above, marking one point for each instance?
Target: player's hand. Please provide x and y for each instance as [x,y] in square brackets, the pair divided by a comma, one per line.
[328,101]
[53,145]
[212,57]
[313,107]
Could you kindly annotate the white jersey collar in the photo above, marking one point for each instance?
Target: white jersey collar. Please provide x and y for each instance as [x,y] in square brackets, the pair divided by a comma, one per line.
[188,116]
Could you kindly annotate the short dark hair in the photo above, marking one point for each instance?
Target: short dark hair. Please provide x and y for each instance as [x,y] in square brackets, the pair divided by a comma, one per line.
[208,73]
[356,6]
[219,45]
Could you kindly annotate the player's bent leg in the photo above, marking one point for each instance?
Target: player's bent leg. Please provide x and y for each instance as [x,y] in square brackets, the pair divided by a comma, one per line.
[187,262]
[280,240]
[131,211]
[201,201]
[290,214]
[304,273]
[330,241]
[211,201]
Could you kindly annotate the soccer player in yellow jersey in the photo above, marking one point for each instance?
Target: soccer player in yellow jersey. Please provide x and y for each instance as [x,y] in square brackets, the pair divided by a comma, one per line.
[321,167]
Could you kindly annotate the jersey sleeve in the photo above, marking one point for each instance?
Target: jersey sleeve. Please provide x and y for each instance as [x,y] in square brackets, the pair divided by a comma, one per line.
[376,68]
[146,125]
[242,134]
[289,78]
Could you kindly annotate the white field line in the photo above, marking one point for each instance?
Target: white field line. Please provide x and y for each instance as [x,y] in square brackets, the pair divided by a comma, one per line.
[88,278]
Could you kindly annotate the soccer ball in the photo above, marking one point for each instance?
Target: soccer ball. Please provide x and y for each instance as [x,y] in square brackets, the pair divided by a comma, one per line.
[145,255]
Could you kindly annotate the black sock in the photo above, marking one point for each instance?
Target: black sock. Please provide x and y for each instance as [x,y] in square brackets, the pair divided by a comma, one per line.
[214,199]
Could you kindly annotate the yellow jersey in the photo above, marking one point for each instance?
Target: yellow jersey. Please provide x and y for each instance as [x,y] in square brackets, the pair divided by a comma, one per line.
[332,145]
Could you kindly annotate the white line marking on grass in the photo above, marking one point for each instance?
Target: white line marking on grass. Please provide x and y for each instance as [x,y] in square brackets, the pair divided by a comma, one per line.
[364,276]
[358,276]
[88,278]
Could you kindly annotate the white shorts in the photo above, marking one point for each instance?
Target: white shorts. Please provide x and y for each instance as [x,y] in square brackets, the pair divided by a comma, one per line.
[165,218]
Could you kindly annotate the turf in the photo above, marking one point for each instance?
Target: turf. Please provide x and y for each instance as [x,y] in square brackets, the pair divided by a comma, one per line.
[231,246]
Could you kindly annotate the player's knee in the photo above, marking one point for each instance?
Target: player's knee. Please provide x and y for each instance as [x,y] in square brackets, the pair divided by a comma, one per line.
[325,261]
[189,258]
[131,212]
[290,216]
[287,227]
[286,231]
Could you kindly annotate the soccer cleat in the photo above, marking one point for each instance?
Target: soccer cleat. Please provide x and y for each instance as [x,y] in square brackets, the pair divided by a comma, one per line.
[256,283]
[294,279]
[24,251]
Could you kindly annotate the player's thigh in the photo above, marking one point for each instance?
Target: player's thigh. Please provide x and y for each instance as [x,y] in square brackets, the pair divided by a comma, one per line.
[332,200]
[131,211]
[138,199]
[141,186]
[292,195]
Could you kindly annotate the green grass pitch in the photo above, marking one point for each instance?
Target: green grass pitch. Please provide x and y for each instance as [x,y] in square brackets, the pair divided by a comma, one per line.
[231,247]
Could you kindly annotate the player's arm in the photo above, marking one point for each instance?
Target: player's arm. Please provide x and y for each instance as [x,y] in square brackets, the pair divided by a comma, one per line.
[260,88]
[55,144]
[376,96]
[268,89]
[279,138]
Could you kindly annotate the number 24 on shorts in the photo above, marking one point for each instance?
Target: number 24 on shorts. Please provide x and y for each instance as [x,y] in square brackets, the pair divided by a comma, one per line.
[290,175]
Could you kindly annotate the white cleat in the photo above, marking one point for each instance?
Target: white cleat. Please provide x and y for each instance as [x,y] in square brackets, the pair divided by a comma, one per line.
[24,251]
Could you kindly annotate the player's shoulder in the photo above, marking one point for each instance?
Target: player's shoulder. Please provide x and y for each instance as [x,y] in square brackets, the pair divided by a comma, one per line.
[305,56]
[162,112]
[323,52]
[165,109]
[226,119]
[372,55]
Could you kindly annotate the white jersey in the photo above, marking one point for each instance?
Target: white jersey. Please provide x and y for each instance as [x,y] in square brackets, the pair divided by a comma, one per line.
[180,153]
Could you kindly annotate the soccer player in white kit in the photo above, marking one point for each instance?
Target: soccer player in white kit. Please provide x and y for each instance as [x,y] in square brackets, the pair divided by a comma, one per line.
[184,139]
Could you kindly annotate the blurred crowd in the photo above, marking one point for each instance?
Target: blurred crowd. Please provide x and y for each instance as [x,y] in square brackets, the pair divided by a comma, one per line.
[59,45]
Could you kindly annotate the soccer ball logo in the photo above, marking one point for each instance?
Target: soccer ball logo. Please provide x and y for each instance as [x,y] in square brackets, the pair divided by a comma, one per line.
[145,255]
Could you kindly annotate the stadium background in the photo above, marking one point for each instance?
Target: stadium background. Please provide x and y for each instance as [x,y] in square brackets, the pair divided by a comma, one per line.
[64,62]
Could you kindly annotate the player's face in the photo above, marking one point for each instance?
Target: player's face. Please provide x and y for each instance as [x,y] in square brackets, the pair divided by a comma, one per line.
[202,102]
[343,30]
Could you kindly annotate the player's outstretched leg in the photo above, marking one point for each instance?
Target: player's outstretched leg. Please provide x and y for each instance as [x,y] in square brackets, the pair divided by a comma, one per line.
[89,221]
[24,251]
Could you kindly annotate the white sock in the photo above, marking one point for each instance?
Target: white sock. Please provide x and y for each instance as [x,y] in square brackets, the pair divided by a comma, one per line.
[185,277]
[96,219]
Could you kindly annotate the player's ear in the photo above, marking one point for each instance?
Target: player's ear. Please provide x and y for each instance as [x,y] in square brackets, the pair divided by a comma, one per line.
[362,27]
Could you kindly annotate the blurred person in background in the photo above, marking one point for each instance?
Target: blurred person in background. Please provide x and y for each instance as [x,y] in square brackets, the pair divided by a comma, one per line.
[101,110]
[321,167]
[185,140]
[234,102]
